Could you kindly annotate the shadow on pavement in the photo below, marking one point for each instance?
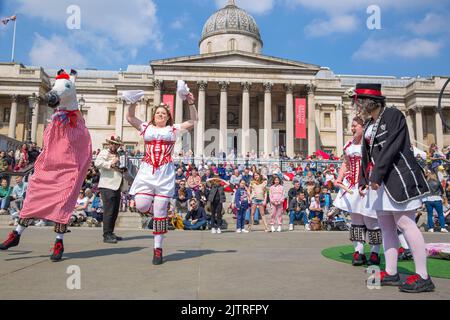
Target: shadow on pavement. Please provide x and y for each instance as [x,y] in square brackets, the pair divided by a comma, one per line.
[147,237]
[190,254]
[89,254]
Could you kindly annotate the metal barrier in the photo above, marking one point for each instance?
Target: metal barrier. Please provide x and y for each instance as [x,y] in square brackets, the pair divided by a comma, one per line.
[271,164]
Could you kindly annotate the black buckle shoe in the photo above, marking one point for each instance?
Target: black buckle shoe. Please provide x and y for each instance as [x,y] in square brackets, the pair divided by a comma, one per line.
[109,238]
[157,256]
[416,284]
[388,280]
[374,259]
[12,241]
[359,259]
[58,250]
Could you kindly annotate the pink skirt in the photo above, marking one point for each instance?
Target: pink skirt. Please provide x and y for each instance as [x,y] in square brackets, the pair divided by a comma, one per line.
[59,172]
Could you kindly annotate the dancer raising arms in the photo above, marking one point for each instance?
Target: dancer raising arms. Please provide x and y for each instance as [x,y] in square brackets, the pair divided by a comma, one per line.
[154,184]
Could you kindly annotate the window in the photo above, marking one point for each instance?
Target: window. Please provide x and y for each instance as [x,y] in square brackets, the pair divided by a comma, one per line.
[327,120]
[281,116]
[345,123]
[254,47]
[111,118]
[232,45]
[209,47]
[6,114]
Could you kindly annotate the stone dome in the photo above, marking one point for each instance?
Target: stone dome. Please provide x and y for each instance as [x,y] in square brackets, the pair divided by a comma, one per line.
[231,20]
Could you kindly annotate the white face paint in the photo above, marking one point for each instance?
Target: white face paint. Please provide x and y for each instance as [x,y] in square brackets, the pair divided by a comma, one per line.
[67,93]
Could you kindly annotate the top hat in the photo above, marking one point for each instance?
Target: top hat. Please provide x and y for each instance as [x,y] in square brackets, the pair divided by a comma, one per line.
[369,91]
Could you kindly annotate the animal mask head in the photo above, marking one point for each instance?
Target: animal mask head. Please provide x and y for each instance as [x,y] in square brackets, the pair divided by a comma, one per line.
[63,94]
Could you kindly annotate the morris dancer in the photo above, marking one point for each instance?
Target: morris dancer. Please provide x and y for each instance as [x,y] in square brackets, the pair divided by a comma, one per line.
[60,169]
[155,182]
[393,184]
[348,199]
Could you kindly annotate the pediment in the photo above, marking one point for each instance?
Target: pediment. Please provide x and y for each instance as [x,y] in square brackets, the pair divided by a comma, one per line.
[234,59]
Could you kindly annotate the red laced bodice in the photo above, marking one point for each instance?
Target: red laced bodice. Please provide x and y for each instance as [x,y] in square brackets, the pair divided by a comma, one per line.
[158,153]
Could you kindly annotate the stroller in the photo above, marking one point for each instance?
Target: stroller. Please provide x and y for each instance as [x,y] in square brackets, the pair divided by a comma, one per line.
[335,221]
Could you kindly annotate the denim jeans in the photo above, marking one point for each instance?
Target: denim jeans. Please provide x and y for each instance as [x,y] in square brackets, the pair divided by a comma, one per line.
[196,226]
[437,205]
[293,215]
[241,215]
[5,203]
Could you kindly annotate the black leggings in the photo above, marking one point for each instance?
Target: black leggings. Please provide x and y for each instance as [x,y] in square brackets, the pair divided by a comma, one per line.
[216,215]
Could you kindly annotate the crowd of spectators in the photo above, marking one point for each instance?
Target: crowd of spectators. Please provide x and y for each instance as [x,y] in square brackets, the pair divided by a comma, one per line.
[256,188]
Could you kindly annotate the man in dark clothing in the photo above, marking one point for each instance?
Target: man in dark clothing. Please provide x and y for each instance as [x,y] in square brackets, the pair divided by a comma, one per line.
[297,211]
[33,153]
[196,218]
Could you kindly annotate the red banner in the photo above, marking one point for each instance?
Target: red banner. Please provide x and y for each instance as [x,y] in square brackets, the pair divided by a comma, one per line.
[300,118]
[169,99]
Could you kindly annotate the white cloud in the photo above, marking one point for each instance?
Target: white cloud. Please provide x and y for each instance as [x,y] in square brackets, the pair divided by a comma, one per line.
[252,6]
[336,24]
[55,52]
[380,49]
[432,23]
[128,23]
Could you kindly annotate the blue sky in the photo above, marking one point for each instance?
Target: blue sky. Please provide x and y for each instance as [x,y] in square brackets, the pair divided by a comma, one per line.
[414,38]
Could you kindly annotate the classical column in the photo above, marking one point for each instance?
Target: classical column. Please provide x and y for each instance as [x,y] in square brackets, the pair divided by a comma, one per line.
[410,124]
[245,118]
[143,103]
[290,151]
[439,132]
[310,88]
[223,143]
[268,148]
[13,117]
[178,119]
[339,130]
[199,148]
[34,110]
[119,117]
[260,126]
[157,84]
[419,126]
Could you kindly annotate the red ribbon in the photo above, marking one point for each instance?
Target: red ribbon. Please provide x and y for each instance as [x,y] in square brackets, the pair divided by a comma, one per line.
[371,92]
[73,117]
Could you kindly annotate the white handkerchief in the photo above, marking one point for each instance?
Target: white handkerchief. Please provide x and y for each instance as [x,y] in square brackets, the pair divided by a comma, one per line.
[132,96]
[182,89]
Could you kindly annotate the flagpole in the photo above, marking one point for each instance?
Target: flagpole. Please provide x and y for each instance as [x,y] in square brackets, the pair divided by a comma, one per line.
[14,41]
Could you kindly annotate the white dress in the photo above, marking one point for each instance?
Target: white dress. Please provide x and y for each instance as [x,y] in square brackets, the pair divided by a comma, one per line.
[353,203]
[380,200]
[156,175]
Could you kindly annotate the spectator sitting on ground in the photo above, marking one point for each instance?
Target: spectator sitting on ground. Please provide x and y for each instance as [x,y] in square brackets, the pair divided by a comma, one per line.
[79,214]
[5,194]
[315,210]
[325,200]
[294,191]
[3,163]
[182,196]
[196,217]
[10,160]
[18,196]
[298,210]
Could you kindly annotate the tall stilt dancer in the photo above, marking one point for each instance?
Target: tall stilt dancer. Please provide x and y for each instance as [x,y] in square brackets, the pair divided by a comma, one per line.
[364,220]
[393,184]
[60,169]
[154,184]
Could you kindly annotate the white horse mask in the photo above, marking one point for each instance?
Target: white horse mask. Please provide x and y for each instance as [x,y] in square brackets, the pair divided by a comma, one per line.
[63,94]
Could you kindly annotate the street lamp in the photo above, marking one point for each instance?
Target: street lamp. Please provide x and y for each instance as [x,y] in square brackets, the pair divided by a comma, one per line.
[81,103]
